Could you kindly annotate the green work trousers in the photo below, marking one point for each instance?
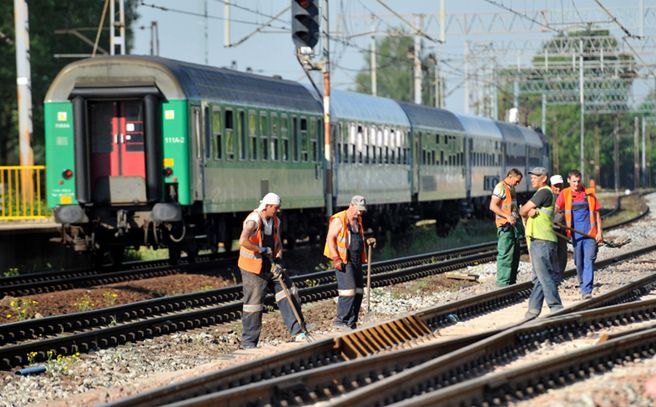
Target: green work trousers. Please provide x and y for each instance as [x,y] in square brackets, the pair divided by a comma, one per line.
[508,251]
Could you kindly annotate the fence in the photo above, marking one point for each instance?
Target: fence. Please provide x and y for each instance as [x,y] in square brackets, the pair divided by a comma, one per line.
[22,192]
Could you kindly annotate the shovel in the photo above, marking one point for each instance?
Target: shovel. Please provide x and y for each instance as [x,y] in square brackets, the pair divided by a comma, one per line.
[277,272]
[371,243]
[604,241]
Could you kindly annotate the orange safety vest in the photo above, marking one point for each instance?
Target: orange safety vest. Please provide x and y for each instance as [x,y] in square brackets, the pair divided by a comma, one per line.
[506,206]
[592,203]
[252,261]
[343,238]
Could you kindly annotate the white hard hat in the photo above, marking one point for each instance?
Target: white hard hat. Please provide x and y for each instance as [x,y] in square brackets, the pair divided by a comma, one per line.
[557,179]
[270,199]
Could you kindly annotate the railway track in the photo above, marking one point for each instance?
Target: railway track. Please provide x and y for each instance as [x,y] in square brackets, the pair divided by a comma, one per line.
[81,332]
[108,327]
[51,281]
[337,371]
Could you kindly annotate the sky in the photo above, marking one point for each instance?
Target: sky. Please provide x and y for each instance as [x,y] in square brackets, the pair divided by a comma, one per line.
[182,33]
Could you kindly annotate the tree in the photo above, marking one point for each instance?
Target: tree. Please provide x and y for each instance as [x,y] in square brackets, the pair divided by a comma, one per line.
[45,16]
[395,69]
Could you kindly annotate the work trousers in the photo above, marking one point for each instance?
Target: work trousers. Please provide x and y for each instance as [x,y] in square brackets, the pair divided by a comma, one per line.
[545,287]
[255,289]
[561,255]
[508,251]
[350,284]
[585,255]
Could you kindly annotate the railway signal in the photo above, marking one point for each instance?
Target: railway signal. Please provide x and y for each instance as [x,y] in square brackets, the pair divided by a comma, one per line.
[305,23]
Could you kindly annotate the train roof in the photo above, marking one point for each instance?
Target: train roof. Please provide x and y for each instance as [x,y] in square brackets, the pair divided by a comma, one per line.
[531,136]
[182,80]
[479,126]
[360,107]
[426,116]
[511,133]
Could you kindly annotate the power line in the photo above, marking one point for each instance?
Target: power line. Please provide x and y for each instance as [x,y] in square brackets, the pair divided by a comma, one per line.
[547,26]
[231,4]
[191,13]
[626,31]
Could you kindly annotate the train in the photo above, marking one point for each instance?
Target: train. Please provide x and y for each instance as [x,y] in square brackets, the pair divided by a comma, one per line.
[150,151]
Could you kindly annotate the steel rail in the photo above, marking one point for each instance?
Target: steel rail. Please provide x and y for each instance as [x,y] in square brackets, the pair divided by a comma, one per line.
[347,347]
[58,324]
[449,361]
[113,326]
[50,281]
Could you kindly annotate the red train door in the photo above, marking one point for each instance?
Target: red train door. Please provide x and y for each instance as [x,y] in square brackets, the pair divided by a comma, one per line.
[117,144]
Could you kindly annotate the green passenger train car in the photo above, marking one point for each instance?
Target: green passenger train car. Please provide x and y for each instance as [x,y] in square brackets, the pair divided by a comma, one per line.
[163,153]
[151,151]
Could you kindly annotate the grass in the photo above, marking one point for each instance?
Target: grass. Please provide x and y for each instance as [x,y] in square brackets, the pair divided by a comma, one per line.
[422,238]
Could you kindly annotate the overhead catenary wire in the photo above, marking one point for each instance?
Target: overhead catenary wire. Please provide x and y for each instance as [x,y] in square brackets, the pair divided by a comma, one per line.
[523,15]
[616,21]
[191,13]
[257,12]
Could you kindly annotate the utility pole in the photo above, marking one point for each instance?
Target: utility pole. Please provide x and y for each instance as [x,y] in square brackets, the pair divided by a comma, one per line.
[597,148]
[226,25]
[643,157]
[374,83]
[466,75]
[205,29]
[616,151]
[154,38]
[417,60]
[636,153]
[325,70]
[582,102]
[544,114]
[24,94]
[120,24]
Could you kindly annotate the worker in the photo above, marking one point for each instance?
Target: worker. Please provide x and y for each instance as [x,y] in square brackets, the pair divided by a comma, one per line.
[557,184]
[345,247]
[259,242]
[509,231]
[538,213]
[581,209]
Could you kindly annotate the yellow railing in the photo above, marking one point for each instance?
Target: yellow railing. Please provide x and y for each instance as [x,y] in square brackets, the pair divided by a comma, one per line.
[22,192]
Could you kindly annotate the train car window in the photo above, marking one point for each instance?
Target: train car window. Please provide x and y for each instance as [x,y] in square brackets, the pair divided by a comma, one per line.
[252,133]
[379,145]
[284,132]
[433,157]
[275,147]
[208,133]
[359,146]
[216,132]
[295,137]
[229,135]
[241,131]
[313,130]
[264,135]
[304,139]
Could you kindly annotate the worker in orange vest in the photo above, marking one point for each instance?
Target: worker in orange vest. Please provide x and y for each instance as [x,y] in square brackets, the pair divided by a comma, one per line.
[510,230]
[345,247]
[260,241]
[581,209]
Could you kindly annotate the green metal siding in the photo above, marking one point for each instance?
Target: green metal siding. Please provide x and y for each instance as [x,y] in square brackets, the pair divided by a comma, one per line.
[176,146]
[60,153]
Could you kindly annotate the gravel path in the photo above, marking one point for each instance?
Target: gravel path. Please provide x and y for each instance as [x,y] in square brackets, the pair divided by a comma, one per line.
[105,375]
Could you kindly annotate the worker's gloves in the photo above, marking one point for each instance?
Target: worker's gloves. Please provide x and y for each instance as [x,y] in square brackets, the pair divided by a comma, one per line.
[279,261]
[276,271]
[337,263]
[265,250]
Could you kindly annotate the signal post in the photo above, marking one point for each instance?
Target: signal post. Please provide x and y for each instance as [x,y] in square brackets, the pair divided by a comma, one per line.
[305,34]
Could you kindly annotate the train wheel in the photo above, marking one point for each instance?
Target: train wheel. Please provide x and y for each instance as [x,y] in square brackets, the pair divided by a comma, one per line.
[174,254]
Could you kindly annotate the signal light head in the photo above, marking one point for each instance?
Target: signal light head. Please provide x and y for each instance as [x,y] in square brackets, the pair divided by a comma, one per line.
[304,3]
[168,172]
[67,174]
